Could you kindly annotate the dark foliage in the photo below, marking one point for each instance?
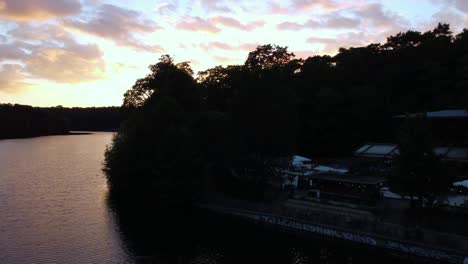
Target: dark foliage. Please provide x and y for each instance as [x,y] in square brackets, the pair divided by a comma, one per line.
[90,118]
[232,122]
[20,121]
[418,172]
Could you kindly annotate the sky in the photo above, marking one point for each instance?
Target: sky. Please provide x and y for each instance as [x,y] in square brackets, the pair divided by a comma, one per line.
[89,52]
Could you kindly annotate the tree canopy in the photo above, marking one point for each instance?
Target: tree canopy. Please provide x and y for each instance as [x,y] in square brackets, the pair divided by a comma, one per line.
[233,119]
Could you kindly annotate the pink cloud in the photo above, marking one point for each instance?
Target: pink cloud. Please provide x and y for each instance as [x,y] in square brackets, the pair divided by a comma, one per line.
[38,9]
[12,78]
[11,52]
[290,26]
[117,24]
[277,9]
[347,40]
[224,46]
[211,25]
[375,15]
[233,23]
[312,4]
[49,52]
[304,54]
[329,21]
[197,24]
[73,63]
[462,5]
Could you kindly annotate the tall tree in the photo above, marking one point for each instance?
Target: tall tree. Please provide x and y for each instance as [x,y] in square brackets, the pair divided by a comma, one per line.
[418,172]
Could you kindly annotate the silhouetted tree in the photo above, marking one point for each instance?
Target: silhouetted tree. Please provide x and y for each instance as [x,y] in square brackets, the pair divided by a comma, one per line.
[156,151]
[418,172]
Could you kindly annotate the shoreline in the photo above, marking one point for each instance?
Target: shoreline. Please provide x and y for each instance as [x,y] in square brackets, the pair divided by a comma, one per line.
[278,222]
[70,133]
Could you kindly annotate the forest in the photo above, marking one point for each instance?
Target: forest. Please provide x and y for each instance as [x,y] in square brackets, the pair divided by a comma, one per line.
[21,121]
[183,132]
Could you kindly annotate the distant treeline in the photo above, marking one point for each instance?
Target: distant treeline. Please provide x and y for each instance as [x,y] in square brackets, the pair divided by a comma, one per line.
[89,118]
[20,121]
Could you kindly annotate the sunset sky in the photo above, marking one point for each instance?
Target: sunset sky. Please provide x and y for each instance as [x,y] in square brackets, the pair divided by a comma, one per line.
[89,52]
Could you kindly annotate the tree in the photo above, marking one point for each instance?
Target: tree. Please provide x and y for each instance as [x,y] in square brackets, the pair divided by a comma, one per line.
[166,79]
[156,151]
[418,172]
[267,56]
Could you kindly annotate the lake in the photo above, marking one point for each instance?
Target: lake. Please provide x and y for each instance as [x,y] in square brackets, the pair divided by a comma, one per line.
[55,208]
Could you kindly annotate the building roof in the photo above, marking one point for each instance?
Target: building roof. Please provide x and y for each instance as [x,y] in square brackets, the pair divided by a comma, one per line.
[378,150]
[461,184]
[347,178]
[453,113]
[388,150]
[299,160]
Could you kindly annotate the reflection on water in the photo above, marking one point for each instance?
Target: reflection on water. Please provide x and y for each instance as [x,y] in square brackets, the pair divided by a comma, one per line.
[55,208]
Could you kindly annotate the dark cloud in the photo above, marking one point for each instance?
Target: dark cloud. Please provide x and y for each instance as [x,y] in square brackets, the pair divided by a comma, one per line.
[117,24]
[28,10]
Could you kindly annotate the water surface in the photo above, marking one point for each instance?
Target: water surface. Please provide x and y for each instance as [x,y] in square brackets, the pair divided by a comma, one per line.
[54,208]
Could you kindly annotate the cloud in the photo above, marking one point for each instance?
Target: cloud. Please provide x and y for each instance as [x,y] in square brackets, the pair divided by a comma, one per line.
[12,78]
[277,9]
[347,40]
[28,10]
[11,51]
[462,5]
[304,54]
[194,23]
[375,15]
[164,7]
[335,21]
[366,16]
[214,5]
[117,24]
[224,46]
[48,52]
[118,68]
[456,20]
[312,4]
[211,25]
[73,63]
[233,23]
[44,32]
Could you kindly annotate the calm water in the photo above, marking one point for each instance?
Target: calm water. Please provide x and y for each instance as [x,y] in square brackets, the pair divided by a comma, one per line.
[54,208]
